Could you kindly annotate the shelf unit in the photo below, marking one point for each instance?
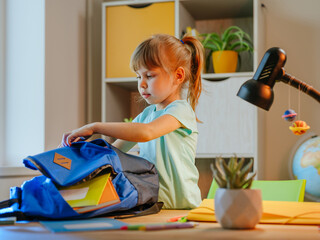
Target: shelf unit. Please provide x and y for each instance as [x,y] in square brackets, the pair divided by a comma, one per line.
[236,121]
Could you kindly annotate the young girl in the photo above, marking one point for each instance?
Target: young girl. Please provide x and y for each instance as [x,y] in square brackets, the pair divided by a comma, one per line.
[167,69]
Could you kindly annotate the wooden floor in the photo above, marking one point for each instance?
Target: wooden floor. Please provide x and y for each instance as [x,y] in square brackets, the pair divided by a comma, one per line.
[35,231]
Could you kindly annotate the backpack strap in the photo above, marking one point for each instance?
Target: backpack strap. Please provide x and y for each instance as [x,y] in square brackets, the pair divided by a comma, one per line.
[10,212]
[9,202]
[155,208]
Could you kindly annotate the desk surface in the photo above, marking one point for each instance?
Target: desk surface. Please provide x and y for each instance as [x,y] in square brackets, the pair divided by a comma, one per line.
[206,230]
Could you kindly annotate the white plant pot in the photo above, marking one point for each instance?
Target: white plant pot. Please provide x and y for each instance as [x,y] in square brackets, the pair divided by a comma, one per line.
[238,208]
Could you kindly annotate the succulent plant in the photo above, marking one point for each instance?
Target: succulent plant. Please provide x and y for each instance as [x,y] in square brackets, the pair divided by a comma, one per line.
[233,175]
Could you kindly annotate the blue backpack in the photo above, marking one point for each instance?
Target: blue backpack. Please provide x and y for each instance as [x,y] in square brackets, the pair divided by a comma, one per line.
[134,178]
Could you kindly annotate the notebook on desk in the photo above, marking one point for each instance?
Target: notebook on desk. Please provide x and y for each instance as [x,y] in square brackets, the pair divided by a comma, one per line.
[276,212]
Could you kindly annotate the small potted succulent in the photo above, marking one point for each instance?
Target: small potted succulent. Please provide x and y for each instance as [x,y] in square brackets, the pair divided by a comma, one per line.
[236,205]
[225,48]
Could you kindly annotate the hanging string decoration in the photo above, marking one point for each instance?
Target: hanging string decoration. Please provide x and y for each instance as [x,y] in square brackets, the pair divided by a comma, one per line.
[289,115]
[299,127]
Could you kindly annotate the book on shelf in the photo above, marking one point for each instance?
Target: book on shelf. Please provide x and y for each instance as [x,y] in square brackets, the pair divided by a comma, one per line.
[91,195]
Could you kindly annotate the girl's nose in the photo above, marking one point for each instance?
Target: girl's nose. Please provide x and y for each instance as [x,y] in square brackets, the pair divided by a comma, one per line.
[143,83]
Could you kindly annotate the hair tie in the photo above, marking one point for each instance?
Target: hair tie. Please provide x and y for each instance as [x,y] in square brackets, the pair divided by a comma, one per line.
[181,41]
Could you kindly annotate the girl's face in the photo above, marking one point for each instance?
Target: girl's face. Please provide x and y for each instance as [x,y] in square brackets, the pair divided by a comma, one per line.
[158,87]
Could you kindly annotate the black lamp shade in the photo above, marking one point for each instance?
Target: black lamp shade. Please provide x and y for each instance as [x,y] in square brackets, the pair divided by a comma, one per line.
[257,93]
[258,90]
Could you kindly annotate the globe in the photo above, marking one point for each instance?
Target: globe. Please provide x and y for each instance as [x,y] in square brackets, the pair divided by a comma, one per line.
[306,165]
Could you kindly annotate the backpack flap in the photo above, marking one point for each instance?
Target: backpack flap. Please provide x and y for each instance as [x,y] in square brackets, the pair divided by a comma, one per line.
[69,165]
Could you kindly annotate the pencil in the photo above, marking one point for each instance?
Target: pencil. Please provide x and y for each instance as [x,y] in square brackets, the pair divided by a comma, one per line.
[169,226]
[160,226]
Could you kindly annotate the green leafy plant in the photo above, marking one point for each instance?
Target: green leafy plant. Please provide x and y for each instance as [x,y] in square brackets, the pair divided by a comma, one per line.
[128,119]
[233,175]
[233,38]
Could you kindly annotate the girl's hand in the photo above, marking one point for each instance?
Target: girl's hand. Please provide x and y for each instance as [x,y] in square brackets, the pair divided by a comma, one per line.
[76,135]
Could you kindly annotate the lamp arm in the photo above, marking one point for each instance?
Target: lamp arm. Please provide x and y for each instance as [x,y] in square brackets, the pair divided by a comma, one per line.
[304,87]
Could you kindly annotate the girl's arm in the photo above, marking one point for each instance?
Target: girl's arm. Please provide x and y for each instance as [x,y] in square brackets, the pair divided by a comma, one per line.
[123,145]
[133,132]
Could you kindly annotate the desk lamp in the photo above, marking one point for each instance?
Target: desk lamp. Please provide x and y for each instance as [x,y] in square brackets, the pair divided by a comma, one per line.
[258,90]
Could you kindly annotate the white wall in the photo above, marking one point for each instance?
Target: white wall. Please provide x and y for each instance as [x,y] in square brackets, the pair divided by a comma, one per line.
[2,76]
[65,68]
[24,80]
[293,25]
[94,52]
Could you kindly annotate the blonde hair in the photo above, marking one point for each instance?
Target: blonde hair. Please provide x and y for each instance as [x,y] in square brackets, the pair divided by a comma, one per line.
[167,52]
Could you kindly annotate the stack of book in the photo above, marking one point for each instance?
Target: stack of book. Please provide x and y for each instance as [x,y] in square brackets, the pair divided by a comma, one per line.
[91,195]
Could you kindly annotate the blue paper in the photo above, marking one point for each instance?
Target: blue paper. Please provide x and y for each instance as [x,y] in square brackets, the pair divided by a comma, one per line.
[83,225]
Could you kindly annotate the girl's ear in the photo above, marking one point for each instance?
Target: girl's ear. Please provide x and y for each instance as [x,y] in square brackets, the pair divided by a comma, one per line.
[180,75]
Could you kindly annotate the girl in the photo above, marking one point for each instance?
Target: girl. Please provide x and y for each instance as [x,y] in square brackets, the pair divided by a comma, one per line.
[166,131]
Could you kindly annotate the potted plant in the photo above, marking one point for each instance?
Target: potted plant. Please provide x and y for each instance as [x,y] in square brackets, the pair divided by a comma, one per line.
[236,205]
[225,48]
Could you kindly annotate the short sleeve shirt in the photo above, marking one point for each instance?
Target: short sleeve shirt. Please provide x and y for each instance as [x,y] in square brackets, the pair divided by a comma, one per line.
[174,156]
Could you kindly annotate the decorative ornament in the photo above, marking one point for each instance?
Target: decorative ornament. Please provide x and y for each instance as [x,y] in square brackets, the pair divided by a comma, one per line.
[289,115]
[299,127]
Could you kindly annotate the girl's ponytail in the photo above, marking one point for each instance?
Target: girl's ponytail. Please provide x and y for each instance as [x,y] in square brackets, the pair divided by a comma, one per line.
[197,58]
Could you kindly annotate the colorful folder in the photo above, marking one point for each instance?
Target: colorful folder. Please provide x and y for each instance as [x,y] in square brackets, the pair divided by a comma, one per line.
[87,193]
[109,197]
[275,212]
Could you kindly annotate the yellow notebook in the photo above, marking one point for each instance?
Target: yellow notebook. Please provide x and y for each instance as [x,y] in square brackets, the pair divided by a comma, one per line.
[85,194]
[109,197]
[276,212]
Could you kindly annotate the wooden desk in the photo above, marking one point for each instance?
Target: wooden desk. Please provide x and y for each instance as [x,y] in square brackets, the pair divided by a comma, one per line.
[35,231]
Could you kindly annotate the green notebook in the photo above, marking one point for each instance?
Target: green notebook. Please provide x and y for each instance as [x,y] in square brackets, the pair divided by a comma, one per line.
[85,194]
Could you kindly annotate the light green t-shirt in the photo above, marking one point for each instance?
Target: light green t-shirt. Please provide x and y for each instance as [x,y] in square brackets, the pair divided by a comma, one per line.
[174,156]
